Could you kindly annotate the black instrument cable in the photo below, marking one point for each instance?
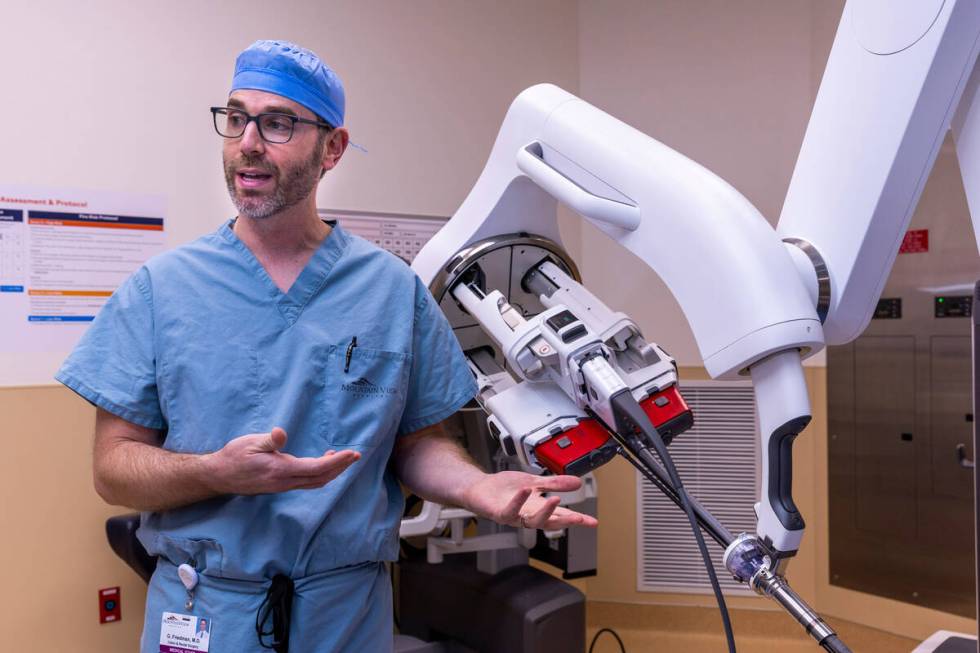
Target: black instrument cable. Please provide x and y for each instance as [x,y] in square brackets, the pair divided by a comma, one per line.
[659,479]
[631,423]
[622,647]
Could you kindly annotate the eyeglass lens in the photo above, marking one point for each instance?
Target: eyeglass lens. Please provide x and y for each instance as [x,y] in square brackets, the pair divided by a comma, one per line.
[275,128]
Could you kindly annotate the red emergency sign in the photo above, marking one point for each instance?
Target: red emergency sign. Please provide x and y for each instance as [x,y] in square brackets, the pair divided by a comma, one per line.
[915,241]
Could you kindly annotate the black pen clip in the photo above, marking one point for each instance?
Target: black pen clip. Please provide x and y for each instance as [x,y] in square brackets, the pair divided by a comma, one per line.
[350,352]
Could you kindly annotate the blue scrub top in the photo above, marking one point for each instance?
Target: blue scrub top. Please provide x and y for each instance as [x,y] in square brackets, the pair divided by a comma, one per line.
[201,344]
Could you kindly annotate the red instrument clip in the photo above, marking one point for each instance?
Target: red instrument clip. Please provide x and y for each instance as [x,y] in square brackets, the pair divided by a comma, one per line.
[578,450]
[668,412]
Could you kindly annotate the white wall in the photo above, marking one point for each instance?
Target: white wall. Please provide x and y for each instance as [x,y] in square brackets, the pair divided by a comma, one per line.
[727,84]
[114,95]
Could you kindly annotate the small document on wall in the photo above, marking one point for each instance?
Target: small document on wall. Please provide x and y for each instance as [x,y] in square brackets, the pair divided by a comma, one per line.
[62,254]
[402,235]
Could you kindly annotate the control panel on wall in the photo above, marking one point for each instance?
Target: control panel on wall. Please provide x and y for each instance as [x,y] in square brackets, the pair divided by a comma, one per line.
[402,235]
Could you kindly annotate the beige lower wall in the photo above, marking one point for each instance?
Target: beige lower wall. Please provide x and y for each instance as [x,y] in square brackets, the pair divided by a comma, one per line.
[55,553]
[57,556]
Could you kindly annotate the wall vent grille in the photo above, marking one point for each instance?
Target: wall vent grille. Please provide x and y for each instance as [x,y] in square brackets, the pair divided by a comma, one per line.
[718,461]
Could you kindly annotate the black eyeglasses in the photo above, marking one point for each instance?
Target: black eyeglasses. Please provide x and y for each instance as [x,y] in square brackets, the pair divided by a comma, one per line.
[273,127]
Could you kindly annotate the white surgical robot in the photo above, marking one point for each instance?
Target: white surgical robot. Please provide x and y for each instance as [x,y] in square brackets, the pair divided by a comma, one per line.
[567,383]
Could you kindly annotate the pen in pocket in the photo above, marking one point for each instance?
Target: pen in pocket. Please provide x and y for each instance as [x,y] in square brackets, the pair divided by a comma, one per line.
[350,352]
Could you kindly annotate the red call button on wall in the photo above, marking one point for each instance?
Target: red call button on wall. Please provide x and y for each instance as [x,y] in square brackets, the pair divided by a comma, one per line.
[109,609]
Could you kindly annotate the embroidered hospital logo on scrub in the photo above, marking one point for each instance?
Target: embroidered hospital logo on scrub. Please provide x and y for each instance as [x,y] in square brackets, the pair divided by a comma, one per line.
[365,388]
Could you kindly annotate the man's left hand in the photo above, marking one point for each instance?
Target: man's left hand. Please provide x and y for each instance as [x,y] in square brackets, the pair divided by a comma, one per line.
[515,499]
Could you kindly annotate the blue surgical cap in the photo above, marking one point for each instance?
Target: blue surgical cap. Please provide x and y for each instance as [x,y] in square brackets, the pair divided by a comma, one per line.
[293,72]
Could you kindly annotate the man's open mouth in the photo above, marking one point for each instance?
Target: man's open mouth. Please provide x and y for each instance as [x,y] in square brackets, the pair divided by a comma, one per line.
[252,178]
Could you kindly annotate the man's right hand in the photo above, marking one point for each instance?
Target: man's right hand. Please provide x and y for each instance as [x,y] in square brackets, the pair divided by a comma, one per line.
[256,464]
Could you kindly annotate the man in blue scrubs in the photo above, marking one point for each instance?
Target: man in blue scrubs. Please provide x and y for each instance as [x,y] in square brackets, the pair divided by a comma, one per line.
[261,392]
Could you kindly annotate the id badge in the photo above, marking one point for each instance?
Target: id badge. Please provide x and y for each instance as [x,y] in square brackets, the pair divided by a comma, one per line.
[184,633]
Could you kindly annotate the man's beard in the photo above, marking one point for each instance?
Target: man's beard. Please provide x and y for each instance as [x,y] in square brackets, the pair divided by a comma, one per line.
[290,188]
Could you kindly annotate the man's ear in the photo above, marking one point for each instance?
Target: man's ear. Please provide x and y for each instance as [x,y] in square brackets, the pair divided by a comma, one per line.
[335,147]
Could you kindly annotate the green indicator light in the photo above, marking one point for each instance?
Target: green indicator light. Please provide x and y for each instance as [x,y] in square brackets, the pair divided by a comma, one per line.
[940,299]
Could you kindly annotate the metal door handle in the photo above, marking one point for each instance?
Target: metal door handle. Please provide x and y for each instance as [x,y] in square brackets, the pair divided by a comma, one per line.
[961,457]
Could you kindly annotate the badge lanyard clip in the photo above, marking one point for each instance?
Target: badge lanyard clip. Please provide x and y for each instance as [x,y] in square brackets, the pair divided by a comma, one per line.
[188,576]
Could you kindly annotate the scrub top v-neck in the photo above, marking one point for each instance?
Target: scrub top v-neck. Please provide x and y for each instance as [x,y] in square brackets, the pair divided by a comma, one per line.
[303,288]
[201,344]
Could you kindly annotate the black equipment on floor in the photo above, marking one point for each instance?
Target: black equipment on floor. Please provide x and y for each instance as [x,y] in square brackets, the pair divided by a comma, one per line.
[519,609]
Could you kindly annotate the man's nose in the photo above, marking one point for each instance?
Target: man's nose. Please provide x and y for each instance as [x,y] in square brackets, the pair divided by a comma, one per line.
[251,140]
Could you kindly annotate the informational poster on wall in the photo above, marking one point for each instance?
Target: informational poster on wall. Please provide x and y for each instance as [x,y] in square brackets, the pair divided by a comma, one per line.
[402,235]
[62,254]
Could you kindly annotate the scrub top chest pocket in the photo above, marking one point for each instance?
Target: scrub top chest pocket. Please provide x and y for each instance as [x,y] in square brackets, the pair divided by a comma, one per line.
[366,390]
